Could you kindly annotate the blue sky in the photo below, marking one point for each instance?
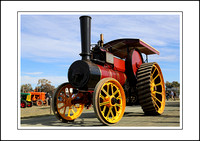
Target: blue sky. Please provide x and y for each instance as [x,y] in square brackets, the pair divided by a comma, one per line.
[51,43]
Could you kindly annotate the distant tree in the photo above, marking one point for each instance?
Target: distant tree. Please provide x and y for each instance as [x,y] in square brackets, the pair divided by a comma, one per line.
[168,84]
[175,84]
[26,88]
[44,85]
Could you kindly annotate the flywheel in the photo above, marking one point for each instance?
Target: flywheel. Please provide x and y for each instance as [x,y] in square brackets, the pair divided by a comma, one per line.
[151,89]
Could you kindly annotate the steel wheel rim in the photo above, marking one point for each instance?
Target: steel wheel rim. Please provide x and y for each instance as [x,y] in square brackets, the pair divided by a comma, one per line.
[65,108]
[157,88]
[111,102]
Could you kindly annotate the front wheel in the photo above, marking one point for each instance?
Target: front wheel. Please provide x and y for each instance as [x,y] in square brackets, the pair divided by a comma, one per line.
[23,104]
[63,107]
[30,104]
[109,101]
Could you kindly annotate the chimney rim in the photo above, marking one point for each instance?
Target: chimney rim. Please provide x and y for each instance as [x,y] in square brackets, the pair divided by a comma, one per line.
[84,16]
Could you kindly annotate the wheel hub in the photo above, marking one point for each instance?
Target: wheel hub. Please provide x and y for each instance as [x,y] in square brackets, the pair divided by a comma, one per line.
[113,101]
[68,102]
[153,87]
[110,100]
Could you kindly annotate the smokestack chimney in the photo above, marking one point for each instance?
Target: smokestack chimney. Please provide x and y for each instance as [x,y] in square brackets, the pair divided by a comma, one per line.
[85,25]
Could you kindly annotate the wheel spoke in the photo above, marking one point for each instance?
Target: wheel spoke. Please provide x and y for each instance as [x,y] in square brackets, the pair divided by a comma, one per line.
[154,70]
[158,84]
[61,107]
[156,98]
[116,109]
[156,77]
[73,111]
[105,91]
[156,104]
[64,94]
[69,112]
[104,108]
[101,96]
[110,108]
[64,110]
[119,105]
[103,103]
[112,89]
[70,94]
[112,113]
[115,92]
[119,97]
[158,92]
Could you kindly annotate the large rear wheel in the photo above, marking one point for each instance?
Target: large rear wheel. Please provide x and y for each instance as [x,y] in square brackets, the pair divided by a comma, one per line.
[63,107]
[151,89]
[109,101]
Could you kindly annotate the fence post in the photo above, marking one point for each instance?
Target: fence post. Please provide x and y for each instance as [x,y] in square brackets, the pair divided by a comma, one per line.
[50,105]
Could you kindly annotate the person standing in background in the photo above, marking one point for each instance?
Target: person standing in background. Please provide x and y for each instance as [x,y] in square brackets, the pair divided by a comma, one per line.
[172,95]
[167,95]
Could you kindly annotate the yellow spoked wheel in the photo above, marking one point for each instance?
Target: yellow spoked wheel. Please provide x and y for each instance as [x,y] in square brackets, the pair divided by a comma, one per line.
[63,106]
[109,101]
[151,88]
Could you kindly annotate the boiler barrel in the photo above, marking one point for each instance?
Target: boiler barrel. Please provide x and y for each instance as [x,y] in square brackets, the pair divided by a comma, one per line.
[85,74]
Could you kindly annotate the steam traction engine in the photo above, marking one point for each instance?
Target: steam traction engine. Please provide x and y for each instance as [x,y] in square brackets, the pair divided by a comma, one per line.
[109,76]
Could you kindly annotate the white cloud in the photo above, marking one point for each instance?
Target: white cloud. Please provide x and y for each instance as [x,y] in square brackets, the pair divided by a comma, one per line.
[55,80]
[159,30]
[33,73]
[51,26]
[56,38]
[50,38]
[164,58]
[43,48]
[170,69]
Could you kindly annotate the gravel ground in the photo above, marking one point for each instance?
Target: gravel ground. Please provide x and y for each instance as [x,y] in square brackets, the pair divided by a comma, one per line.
[46,110]
[133,117]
